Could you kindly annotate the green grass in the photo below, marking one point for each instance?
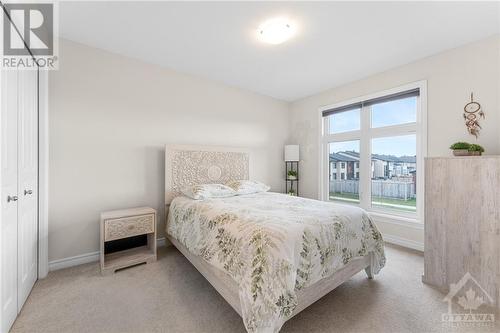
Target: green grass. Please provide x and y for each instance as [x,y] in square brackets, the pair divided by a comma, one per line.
[399,204]
[344,196]
[409,202]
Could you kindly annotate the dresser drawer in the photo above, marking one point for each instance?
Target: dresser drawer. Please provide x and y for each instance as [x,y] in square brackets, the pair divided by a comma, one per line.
[128,226]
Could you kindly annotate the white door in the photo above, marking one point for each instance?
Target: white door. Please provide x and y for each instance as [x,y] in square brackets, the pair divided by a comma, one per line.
[27,225]
[9,199]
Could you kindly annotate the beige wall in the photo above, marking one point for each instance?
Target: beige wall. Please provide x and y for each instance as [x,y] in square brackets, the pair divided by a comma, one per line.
[451,76]
[111,116]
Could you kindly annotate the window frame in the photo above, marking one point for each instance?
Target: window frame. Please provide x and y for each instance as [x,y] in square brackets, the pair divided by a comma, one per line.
[365,134]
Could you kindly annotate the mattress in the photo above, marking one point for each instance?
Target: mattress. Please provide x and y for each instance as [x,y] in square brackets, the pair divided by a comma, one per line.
[273,245]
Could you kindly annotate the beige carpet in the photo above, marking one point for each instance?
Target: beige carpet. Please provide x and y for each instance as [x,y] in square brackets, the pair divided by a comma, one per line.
[171,296]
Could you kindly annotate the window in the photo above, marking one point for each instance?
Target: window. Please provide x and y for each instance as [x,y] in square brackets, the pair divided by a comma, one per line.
[396,112]
[344,121]
[345,187]
[377,141]
[396,189]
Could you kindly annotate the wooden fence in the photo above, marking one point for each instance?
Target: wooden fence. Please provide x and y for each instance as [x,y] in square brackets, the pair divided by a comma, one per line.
[380,188]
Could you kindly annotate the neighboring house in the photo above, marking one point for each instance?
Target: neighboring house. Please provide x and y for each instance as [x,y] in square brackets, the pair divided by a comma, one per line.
[396,166]
[343,167]
[382,166]
[378,169]
[408,162]
[377,166]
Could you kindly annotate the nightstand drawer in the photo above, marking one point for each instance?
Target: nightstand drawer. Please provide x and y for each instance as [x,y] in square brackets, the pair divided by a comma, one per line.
[128,226]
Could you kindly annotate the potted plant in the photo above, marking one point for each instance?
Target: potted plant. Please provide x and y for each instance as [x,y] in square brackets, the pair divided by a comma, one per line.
[460,148]
[466,149]
[292,175]
[291,192]
[475,150]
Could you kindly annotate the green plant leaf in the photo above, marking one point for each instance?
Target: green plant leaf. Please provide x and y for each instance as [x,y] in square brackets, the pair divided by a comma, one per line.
[460,145]
[474,147]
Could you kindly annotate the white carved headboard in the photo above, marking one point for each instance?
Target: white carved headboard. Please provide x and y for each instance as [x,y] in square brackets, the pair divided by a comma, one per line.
[192,165]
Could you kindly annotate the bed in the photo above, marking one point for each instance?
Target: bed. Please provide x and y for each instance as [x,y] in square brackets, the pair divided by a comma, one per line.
[269,255]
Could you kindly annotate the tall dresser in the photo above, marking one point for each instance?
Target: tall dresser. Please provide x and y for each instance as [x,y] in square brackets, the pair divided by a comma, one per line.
[462,222]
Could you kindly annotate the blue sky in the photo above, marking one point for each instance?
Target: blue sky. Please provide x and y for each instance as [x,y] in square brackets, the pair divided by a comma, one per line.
[401,111]
[384,114]
[335,147]
[396,145]
[345,121]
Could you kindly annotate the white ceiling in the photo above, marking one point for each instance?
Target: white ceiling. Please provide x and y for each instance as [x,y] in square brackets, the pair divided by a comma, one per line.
[338,42]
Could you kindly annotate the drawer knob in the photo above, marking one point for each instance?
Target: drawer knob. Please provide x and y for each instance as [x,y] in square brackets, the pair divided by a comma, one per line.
[131,227]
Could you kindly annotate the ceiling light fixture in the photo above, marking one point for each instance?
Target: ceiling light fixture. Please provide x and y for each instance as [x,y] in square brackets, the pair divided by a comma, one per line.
[276,31]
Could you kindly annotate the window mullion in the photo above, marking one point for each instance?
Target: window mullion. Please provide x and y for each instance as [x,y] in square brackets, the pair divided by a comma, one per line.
[365,159]
[348,136]
[398,130]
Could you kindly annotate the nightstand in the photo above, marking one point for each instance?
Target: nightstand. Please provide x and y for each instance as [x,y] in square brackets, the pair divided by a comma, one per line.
[137,226]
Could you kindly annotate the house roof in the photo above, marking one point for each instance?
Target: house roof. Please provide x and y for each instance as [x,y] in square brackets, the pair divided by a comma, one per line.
[354,156]
[341,158]
[408,159]
[388,158]
[392,158]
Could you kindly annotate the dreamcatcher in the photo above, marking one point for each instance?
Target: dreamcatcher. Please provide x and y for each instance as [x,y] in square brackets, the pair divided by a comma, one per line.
[472,113]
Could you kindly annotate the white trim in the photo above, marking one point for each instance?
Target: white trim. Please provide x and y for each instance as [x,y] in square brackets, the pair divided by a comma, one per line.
[43,174]
[322,151]
[408,222]
[365,152]
[422,148]
[391,239]
[86,258]
[419,128]
[74,261]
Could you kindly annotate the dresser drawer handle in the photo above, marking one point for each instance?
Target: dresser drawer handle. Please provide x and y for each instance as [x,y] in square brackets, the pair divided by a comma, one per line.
[131,227]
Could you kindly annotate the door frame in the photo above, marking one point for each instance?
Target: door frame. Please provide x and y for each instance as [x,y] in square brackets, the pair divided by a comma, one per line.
[43,173]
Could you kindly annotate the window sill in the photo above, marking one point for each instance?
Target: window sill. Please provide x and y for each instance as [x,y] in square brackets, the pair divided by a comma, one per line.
[402,218]
[411,222]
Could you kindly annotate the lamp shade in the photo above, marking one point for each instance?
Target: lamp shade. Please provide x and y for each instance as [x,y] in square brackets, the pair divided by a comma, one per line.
[291,153]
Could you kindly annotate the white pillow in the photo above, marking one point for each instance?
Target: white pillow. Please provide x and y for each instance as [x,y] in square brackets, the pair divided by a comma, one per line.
[248,186]
[206,191]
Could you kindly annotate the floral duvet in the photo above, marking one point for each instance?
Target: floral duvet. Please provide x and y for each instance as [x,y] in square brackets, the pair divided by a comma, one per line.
[273,245]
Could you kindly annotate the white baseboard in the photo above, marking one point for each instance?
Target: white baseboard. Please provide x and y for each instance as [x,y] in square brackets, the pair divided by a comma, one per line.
[94,256]
[73,261]
[403,242]
[85,258]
